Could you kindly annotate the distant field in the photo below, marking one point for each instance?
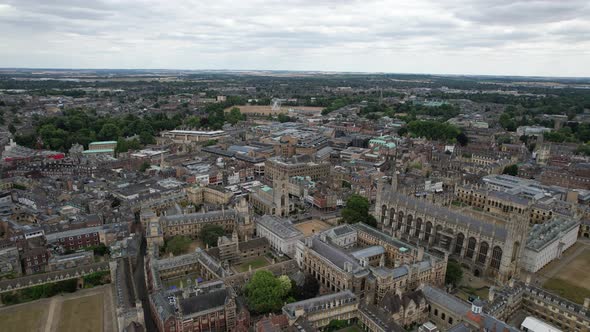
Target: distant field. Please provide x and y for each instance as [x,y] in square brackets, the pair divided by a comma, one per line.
[267,109]
[256,263]
[573,280]
[311,227]
[26,317]
[84,314]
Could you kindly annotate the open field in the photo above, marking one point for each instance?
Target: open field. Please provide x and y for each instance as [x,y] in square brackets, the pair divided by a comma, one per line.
[256,263]
[311,227]
[82,314]
[87,310]
[568,276]
[567,289]
[267,109]
[24,317]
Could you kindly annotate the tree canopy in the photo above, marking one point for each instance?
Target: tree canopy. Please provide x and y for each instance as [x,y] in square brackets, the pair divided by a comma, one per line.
[178,245]
[210,233]
[433,130]
[267,293]
[511,170]
[357,210]
[454,273]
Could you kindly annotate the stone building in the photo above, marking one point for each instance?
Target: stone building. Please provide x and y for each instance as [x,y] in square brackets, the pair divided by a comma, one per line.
[10,265]
[280,233]
[490,246]
[274,201]
[278,167]
[191,224]
[547,242]
[523,296]
[374,266]
[210,307]
[319,311]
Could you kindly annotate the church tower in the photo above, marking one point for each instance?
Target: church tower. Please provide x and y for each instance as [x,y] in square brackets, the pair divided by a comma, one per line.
[281,196]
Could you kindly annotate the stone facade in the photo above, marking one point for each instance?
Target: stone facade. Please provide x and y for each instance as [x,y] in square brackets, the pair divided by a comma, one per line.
[488,246]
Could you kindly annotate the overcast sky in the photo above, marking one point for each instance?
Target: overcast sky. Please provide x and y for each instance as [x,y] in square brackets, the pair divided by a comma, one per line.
[550,38]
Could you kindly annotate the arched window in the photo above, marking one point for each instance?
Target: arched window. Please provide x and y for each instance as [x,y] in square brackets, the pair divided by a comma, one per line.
[400,219]
[451,320]
[483,252]
[428,231]
[443,316]
[459,243]
[383,213]
[391,216]
[436,312]
[470,247]
[409,223]
[496,258]
[418,227]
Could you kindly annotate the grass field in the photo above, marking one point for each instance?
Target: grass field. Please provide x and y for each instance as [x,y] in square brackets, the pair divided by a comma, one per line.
[567,289]
[27,317]
[573,280]
[256,263]
[84,314]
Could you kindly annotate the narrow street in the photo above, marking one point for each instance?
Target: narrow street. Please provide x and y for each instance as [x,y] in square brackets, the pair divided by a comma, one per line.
[139,276]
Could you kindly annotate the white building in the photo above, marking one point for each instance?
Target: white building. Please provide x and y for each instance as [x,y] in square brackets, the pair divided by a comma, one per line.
[280,233]
[548,241]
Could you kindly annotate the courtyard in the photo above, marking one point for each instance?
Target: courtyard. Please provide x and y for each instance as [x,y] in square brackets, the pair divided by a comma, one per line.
[568,276]
[312,226]
[256,263]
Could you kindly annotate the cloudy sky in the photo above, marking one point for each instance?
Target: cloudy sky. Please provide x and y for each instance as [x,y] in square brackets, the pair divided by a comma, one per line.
[527,37]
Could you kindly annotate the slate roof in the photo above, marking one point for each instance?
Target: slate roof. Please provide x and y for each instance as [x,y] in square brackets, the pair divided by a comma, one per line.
[204,302]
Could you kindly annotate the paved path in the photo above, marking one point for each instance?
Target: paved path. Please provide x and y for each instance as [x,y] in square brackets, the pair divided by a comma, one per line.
[51,314]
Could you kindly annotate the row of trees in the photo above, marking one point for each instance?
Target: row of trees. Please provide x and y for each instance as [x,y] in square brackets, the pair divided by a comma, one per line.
[434,130]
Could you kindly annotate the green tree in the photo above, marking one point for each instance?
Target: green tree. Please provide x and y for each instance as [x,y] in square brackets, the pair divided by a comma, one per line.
[178,245]
[357,210]
[511,170]
[109,131]
[335,325]
[454,273]
[266,293]
[193,122]
[144,166]
[234,116]
[210,233]
[11,128]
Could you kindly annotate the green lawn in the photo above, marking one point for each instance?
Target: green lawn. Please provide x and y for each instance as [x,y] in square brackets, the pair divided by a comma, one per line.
[84,314]
[176,282]
[256,263]
[25,317]
[566,289]
[465,291]
[353,328]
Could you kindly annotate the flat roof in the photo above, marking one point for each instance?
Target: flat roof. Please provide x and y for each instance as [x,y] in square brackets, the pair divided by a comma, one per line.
[98,150]
[103,142]
[197,132]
